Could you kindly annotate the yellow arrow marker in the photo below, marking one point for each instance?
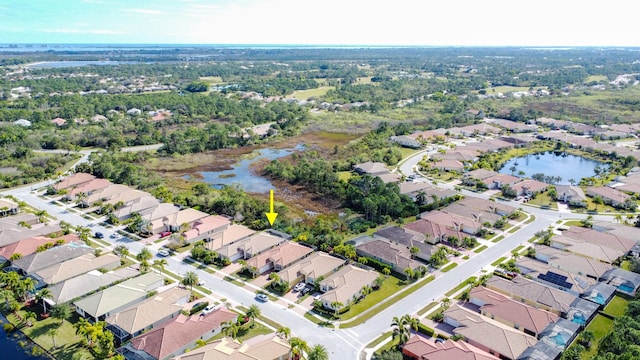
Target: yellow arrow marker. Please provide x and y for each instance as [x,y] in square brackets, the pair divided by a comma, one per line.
[271,216]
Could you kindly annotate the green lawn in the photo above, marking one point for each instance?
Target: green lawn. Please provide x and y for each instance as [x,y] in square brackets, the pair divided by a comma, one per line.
[498,238]
[425,309]
[390,286]
[513,229]
[345,175]
[67,342]
[305,94]
[544,200]
[499,261]
[595,78]
[380,339]
[461,285]
[449,267]
[600,326]
[617,306]
[480,249]
[246,332]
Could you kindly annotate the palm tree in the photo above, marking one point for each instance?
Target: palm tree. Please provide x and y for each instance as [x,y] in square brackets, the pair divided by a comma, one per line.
[61,312]
[190,279]
[42,215]
[144,254]
[28,316]
[446,302]
[28,285]
[586,337]
[298,347]
[402,328]
[160,264]
[231,328]
[284,332]
[81,327]
[318,352]
[53,332]
[253,312]
[386,271]
[41,296]
[336,305]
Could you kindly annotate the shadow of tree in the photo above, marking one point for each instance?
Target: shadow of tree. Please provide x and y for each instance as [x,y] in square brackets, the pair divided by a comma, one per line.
[43,330]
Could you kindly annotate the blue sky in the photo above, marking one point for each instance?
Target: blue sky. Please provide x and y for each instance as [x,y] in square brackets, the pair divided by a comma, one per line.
[362,22]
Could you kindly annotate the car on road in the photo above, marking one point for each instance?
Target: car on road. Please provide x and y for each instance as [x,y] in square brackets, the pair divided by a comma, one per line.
[163,253]
[262,297]
[209,309]
[98,235]
[200,282]
[114,236]
[299,286]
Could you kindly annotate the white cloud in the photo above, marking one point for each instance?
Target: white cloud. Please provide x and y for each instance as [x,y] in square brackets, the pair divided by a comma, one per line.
[145,11]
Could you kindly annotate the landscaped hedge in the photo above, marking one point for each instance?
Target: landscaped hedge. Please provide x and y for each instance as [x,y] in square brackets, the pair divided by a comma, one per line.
[425,330]
[376,264]
[198,307]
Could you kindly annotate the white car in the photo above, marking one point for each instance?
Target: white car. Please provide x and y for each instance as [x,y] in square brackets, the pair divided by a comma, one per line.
[163,253]
[209,309]
[299,286]
[262,297]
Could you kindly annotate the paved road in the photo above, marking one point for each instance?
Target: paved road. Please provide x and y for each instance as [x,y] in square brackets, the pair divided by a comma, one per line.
[341,343]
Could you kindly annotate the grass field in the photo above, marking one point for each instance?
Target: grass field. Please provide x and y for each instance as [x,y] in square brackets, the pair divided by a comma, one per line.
[305,94]
[212,80]
[544,199]
[600,327]
[507,89]
[617,306]
[480,249]
[595,78]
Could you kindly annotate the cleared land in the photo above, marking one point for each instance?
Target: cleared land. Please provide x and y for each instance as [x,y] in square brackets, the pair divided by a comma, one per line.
[306,94]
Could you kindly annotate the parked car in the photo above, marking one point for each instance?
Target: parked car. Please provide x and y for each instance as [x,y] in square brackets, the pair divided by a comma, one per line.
[305,291]
[299,286]
[98,235]
[165,234]
[262,297]
[163,253]
[200,282]
[114,236]
[209,309]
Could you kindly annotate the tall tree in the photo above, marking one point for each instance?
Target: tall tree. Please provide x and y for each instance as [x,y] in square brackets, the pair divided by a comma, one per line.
[190,279]
[318,352]
[253,312]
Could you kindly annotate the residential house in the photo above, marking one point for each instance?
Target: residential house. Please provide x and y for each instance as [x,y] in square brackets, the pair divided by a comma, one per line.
[114,191]
[22,122]
[625,231]
[8,207]
[541,350]
[421,348]
[626,282]
[452,221]
[414,189]
[437,194]
[155,216]
[85,189]
[496,339]
[77,266]
[461,154]
[118,297]
[93,280]
[174,337]
[371,168]
[311,268]
[500,180]
[279,257]
[187,217]
[607,239]
[528,187]
[564,260]
[391,253]
[147,314]
[472,177]
[487,206]
[230,235]
[433,231]
[134,112]
[77,179]
[31,245]
[136,206]
[530,320]
[210,227]
[389,178]
[598,251]
[23,226]
[406,141]
[476,129]
[252,245]
[261,347]
[553,277]
[541,296]
[610,196]
[407,238]
[59,121]
[345,286]
[572,195]
[429,135]
[447,165]
[512,126]
[30,264]
[479,216]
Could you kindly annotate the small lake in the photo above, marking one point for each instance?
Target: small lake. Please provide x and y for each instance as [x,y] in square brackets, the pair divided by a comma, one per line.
[564,165]
[63,64]
[241,171]
[11,349]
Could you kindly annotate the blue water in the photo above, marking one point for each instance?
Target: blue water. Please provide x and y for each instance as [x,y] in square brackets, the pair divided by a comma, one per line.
[559,340]
[579,319]
[242,174]
[566,166]
[63,64]
[9,347]
[626,288]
